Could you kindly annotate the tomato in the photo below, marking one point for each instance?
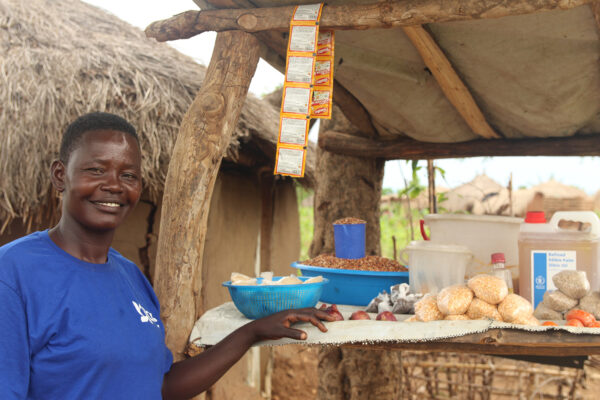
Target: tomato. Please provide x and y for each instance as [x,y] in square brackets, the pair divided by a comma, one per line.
[574,322]
[586,318]
[549,323]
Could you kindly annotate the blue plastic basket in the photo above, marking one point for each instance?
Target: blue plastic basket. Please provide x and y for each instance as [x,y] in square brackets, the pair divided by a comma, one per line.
[353,287]
[259,301]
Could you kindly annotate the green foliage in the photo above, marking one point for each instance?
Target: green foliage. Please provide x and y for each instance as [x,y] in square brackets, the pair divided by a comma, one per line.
[395,223]
[305,210]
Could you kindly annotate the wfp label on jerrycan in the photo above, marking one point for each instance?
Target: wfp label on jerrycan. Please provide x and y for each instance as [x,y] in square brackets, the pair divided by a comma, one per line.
[546,264]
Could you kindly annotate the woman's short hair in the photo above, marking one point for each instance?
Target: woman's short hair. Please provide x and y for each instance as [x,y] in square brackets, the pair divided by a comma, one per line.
[92,122]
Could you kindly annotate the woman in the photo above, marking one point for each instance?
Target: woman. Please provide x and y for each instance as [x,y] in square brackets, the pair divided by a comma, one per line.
[80,320]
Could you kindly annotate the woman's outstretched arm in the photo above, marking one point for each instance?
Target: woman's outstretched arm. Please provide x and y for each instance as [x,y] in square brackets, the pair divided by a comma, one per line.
[192,376]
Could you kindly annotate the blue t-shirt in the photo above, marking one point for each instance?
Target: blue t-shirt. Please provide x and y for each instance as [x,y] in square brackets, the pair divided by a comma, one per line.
[70,329]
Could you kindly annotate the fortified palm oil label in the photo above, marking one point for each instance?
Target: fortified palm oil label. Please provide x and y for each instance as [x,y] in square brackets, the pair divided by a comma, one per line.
[544,265]
[290,161]
[293,130]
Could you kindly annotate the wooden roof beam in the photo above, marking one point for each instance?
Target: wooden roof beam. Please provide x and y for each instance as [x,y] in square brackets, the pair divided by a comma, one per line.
[449,81]
[410,149]
[384,14]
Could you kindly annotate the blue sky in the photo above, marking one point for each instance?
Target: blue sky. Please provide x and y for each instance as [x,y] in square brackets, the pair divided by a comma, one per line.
[582,172]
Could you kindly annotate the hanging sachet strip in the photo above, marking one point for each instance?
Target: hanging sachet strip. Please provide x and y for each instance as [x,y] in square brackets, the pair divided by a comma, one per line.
[297,98]
[322,97]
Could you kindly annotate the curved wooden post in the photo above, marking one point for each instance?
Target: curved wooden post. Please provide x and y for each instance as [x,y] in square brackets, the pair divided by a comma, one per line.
[204,135]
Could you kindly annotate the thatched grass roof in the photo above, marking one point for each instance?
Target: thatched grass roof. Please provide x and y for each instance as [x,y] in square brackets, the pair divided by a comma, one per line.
[62,58]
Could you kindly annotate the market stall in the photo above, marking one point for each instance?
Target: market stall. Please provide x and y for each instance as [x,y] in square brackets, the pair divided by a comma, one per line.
[417,80]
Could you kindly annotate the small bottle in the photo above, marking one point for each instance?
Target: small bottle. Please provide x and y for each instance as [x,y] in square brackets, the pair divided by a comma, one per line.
[499,270]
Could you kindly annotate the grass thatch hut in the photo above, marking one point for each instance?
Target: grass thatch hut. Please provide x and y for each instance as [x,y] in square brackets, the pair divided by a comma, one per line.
[60,59]
[551,196]
[481,196]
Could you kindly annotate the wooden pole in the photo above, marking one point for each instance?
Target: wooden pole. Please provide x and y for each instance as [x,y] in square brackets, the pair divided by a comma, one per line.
[431,187]
[204,135]
[383,14]
[453,87]
[405,148]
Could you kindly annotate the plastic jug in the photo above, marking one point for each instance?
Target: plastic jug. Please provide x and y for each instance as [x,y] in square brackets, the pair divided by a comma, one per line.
[546,249]
[434,266]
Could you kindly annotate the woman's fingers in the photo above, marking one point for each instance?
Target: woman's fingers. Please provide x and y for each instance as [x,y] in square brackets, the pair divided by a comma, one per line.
[311,315]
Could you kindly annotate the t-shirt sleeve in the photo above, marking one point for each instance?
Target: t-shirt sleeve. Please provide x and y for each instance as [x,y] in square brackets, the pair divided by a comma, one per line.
[14,345]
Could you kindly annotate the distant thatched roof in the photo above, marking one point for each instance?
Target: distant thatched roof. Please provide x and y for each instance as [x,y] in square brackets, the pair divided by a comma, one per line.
[62,58]
[551,196]
[481,196]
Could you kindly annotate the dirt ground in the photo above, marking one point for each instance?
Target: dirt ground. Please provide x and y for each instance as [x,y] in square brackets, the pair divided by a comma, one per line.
[454,376]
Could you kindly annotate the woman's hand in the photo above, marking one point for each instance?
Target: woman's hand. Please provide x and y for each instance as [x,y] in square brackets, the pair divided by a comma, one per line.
[195,375]
[278,325]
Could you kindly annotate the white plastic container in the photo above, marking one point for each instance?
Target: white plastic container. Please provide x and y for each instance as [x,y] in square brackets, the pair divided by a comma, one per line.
[482,234]
[433,266]
[546,249]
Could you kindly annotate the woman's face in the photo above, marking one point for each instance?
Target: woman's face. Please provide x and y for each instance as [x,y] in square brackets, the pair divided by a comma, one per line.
[102,180]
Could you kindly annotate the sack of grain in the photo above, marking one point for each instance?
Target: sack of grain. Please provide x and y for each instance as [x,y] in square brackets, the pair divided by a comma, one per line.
[515,307]
[454,300]
[488,288]
[558,301]
[572,283]
[426,309]
[591,304]
[459,317]
[542,311]
[479,309]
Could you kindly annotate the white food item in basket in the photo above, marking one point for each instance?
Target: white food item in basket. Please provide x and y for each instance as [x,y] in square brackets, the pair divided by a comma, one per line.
[267,275]
[542,311]
[572,283]
[426,309]
[289,280]
[591,303]
[480,309]
[267,282]
[459,317]
[488,288]
[245,282]
[515,307]
[236,276]
[314,279]
[558,301]
[454,300]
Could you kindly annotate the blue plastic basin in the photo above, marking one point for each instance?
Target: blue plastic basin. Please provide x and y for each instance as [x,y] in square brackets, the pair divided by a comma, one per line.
[260,301]
[352,287]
